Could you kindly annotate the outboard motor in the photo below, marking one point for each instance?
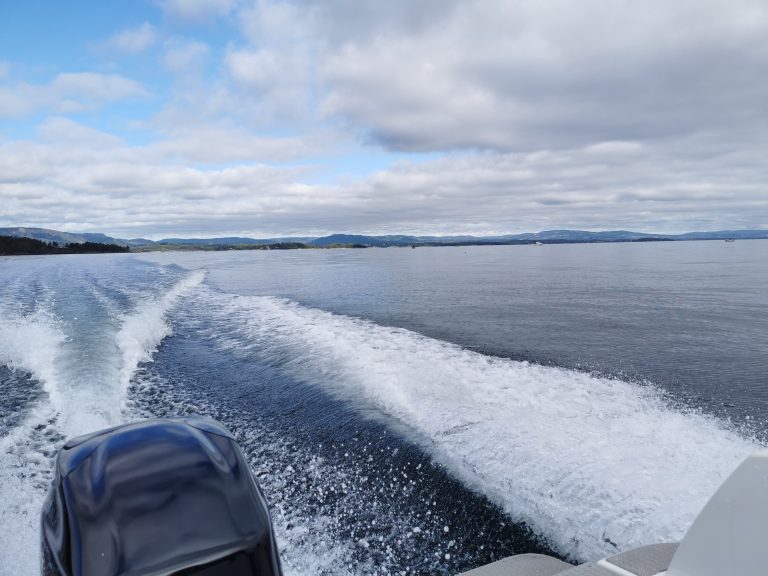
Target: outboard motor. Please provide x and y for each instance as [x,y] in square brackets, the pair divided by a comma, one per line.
[161,497]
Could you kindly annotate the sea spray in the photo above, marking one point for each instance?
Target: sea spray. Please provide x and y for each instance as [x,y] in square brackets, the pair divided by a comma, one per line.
[84,363]
[593,464]
[143,329]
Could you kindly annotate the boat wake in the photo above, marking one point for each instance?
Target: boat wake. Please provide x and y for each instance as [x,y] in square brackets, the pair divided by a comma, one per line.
[82,357]
[593,464]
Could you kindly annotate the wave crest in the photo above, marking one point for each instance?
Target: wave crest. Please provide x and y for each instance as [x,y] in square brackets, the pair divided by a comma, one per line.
[593,464]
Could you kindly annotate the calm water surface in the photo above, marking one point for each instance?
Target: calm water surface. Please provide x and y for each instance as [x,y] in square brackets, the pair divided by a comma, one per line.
[690,317]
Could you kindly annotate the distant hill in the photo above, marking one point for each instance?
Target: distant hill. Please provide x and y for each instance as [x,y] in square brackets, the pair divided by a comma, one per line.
[547,236]
[341,239]
[46,235]
[586,236]
[400,240]
[230,241]
[723,234]
[360,240]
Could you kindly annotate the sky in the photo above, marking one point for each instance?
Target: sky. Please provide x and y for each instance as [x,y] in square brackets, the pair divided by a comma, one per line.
[263,118]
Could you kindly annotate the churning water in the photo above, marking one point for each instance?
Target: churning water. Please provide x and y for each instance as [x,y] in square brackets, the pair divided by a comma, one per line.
[406,411]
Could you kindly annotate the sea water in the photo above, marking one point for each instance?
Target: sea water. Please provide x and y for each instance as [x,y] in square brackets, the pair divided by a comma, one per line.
[406,411]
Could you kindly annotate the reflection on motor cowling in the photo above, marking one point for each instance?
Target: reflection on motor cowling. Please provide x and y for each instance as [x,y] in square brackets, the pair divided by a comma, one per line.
[169,496]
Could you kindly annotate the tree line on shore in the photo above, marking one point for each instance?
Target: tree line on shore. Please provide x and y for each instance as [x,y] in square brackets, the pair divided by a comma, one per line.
[14,245]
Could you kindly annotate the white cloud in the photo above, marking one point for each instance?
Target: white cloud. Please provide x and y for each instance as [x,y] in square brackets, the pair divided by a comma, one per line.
[100,87]
[201,143]
[134,40]
[615,147]
[68,92]
[525,75]
[666,191]
[437,75]
[63,131]
[256,69]
[161,189]
[94,178]
[184,55]
[279,25]
[196,10]
[608,113]
[276,71]
[277,84]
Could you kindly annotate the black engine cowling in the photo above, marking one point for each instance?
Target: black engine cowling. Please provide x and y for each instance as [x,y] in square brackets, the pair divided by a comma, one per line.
[159,497]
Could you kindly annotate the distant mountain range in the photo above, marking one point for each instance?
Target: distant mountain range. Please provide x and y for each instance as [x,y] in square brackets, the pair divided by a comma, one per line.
[47,235]
[545,237]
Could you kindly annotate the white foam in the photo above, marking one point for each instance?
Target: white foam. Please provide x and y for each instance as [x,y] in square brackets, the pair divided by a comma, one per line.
[86,377]
[31,344]
[594,464]
[143,330]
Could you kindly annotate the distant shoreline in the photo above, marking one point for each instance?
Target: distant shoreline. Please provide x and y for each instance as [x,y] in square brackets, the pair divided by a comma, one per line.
[346,239]
[26,246]
[23,246]
[301,246]
[247,247]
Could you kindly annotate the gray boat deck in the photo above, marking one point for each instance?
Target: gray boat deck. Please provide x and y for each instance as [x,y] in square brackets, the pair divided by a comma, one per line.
[645,561]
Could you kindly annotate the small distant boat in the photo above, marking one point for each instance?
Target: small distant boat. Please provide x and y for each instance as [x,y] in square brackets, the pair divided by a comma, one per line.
[539,244]
[730,240]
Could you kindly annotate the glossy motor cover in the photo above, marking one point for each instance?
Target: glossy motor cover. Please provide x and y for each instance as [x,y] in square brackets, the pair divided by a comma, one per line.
[159,497]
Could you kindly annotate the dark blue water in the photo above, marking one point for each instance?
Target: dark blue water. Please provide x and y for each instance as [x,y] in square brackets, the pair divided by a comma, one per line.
[691,317]
[407,411]
[338,484]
